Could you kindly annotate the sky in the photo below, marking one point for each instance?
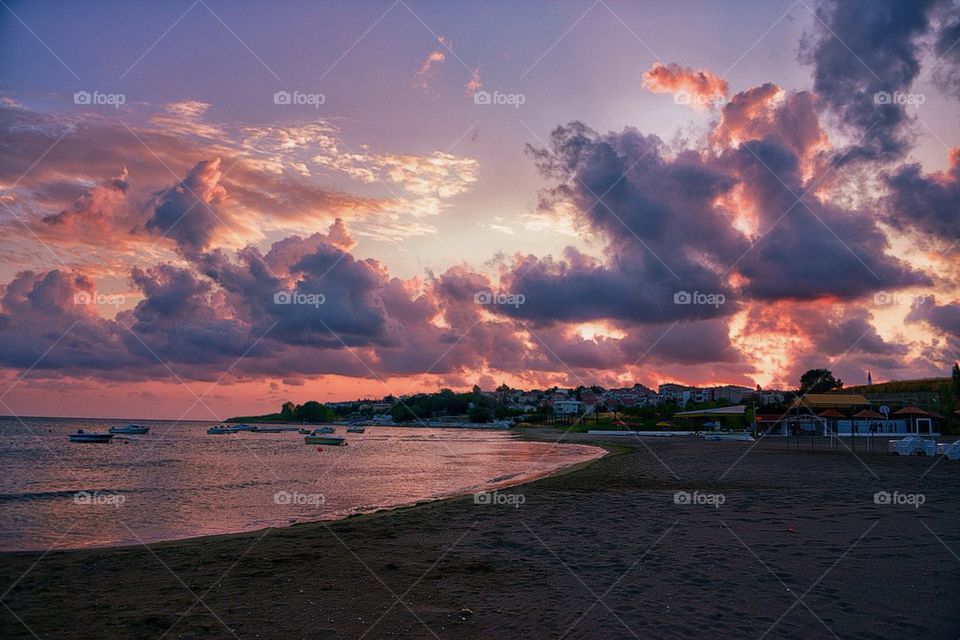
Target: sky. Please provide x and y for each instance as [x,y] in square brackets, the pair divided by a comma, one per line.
[209,208]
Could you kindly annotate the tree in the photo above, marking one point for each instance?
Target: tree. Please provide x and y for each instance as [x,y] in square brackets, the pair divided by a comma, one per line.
[956,379]
[819,381]
[286,410]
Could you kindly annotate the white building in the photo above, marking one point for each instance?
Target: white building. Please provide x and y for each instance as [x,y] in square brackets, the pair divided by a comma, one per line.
[569,407]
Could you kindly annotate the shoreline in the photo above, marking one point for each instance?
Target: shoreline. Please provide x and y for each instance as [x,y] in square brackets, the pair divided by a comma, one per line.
[361,513]
[606,527]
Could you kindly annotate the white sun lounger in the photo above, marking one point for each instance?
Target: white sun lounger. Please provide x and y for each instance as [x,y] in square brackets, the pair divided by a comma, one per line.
[952,451]
[913,445]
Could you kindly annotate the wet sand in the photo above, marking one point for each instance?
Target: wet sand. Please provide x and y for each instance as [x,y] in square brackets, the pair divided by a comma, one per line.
[798,549]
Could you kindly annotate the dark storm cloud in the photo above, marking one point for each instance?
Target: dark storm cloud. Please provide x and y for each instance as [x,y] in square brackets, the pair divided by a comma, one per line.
[859,51]
[928,203]
[812,248]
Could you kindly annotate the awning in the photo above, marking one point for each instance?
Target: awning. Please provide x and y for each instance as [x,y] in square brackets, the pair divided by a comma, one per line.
[814,400]
[719,412]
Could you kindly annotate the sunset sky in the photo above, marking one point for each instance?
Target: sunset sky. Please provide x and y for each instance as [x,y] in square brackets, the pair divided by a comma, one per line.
[168,169]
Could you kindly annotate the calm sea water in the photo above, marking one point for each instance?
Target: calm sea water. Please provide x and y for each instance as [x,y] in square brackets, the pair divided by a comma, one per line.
[178,482]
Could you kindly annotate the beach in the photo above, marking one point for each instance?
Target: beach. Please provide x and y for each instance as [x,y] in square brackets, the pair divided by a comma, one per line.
[662,538]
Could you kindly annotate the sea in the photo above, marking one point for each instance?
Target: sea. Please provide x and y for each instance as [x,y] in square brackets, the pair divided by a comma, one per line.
[180,482]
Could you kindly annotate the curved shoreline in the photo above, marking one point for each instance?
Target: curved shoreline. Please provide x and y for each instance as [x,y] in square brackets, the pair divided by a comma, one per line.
[361,513]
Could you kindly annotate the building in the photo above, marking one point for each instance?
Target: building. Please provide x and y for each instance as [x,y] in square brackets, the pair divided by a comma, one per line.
[569,407]
[847,414]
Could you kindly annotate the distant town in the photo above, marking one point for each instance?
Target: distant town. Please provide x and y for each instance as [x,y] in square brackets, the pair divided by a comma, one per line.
[637,406]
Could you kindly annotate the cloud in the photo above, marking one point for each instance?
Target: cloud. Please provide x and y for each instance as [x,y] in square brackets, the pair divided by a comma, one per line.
[926,203]
[859,55]
[697,89]
[188,211]
[425,73]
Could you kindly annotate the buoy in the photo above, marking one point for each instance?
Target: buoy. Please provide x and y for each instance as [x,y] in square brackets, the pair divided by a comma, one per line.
[319,449]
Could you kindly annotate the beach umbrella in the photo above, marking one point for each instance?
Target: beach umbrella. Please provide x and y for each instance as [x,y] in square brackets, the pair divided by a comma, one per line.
[912,413]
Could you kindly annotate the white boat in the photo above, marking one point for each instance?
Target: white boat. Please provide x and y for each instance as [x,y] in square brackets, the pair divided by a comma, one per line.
[131,429]
[244,427]
[82,436]
[331,440]
[356,429]
[321,430]
[220,430]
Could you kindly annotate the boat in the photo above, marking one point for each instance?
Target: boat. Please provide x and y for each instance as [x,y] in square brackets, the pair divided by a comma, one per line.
[331,440]
[82,436]
[244,427]
[356,429]
[220,430]
[305,432]
[131,429]
[320,430]
[267,429]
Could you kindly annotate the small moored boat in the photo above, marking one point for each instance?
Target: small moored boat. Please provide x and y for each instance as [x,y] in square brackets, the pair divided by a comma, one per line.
[331,440]
[267,429]
[219,430]
[244,427]
[320,430]
[356,429]
[82,436]
[305,432]
[131,429]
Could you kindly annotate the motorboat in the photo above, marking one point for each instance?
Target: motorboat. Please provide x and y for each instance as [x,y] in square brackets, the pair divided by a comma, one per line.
[356,429]
[305,432]
[245,427]
[267,429]
[330,440]
[220,430]
[321,430]
[98,438]
[131,429]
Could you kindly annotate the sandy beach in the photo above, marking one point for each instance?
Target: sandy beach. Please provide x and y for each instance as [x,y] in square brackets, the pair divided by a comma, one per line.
[765,543]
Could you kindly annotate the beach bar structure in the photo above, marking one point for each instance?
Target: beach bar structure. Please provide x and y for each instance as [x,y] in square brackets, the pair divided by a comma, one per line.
[848,414]
[713,417]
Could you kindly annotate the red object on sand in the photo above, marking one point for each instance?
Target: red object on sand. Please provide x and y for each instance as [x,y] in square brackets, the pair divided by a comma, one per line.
[791,530]
[319,449]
